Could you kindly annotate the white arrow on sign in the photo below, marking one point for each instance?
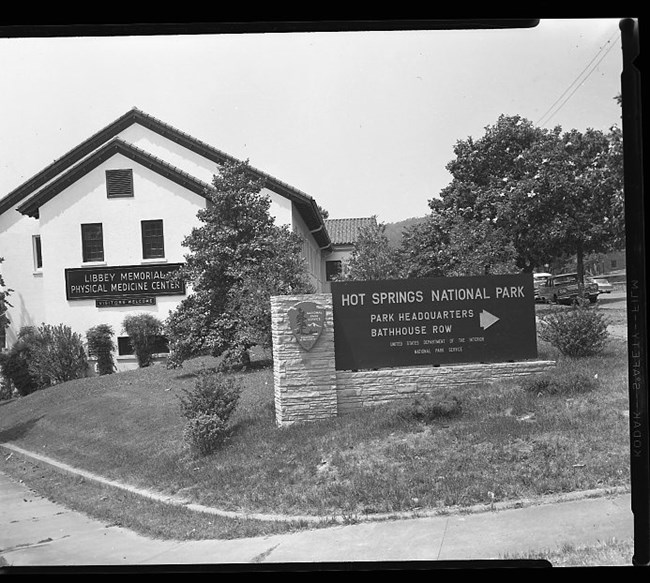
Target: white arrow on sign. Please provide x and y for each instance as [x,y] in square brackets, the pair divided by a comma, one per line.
[486,319]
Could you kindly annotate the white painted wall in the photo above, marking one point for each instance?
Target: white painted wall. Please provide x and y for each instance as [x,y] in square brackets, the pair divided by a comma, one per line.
[281,208]
[195,165]
[311,252]
[86,202]
[18,272]
[39,296]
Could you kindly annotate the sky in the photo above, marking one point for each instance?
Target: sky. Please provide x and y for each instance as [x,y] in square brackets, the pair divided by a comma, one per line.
[363,121]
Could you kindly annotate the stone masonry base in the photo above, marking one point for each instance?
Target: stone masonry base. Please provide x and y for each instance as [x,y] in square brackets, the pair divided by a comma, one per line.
[375,387]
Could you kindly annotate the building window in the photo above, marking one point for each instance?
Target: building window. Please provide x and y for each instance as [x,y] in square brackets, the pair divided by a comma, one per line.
[333,269]
[38,255]
[92,242]
[153,245]
[119,183]
[125,348]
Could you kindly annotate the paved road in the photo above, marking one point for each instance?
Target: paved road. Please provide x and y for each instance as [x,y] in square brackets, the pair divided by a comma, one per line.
[617,300]
[36,532]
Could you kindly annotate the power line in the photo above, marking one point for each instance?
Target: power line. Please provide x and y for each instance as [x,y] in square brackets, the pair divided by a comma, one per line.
[577,81]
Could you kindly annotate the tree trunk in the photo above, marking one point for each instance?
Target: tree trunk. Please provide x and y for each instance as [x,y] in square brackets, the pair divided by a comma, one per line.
[580,263]
[581,270]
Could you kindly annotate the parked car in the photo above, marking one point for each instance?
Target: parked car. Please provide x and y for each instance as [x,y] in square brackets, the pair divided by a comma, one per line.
[565,289]
[538,280]
[604,287]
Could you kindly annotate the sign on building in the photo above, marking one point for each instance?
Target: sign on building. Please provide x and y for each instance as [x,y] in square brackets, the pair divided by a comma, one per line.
[94,283]
[433,321]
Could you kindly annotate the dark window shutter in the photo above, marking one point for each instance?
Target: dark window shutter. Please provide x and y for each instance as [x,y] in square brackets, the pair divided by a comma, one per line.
[119,183]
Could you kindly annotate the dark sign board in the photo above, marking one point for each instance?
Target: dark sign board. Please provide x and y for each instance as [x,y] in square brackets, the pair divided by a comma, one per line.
[117,302]
[434,321]
[122,281]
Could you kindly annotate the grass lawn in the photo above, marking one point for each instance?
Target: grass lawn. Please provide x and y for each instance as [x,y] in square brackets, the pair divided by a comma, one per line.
[508,445]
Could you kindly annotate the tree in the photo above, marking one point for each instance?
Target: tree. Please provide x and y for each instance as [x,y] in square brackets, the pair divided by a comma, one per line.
[493,180]
[238,258]
[4,303]
[574,201]
[479,248]
[444,247]
[373,257]
[526,196]
[425,247]
[591,212]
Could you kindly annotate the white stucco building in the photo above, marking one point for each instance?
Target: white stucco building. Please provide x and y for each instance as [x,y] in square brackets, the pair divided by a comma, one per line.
[89,238]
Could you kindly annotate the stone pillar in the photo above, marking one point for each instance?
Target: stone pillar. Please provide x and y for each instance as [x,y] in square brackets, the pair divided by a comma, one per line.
[304,377]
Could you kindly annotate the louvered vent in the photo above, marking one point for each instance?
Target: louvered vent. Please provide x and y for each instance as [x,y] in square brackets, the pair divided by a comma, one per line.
[119,183]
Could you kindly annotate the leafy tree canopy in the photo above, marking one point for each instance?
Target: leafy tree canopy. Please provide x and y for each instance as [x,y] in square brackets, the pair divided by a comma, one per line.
[4,302]
[373,257]
[238,258]
[521,196]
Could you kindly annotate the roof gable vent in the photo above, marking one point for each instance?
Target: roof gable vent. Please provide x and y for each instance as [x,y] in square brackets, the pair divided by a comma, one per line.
[119,183]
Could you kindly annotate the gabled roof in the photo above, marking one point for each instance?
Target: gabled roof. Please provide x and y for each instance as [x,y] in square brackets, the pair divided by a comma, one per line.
[346,231]
[305,204]
[115,146]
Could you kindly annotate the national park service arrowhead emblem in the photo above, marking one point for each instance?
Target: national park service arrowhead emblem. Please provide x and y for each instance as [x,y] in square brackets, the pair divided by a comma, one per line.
[306,320]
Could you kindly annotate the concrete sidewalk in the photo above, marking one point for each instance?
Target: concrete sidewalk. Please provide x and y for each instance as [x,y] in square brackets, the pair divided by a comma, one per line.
[35,532]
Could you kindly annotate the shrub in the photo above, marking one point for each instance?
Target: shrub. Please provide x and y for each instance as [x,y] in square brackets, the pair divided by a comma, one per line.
[44,356]
[208,408]
[429,408]
[561,383]
[58,355]
[204,433]
[578,331]
[15,362]
[143,331]
[101,346]
[5,384]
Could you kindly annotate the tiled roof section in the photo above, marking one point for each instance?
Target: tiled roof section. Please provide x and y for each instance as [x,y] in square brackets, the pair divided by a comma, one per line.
[346,231]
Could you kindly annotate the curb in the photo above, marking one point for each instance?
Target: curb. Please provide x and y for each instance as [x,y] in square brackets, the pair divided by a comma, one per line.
[341,519]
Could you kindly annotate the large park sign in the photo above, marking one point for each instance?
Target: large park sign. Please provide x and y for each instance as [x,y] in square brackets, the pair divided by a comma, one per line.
[433,321]
[373,342]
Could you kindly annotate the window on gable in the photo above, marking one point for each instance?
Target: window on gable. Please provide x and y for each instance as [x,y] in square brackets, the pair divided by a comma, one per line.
[38,255]
[92,242]
[153,244]
[119,183]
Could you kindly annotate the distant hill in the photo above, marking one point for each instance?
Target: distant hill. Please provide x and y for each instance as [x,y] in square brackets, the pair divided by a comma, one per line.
[394,230]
